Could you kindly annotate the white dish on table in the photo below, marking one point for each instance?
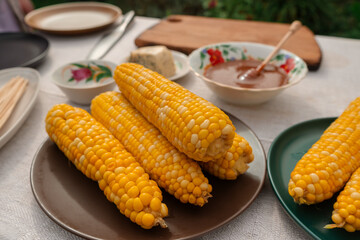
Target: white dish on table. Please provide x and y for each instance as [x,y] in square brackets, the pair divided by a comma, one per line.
[73,18]
[181,65]
[25,103]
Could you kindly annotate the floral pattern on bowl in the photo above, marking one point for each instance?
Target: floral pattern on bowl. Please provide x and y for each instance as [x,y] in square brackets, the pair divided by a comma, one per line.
[86,73]
[81,81]
[216,54]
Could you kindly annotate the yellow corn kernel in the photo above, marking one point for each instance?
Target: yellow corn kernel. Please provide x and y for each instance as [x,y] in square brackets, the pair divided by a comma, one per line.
[232,164]
[147,220]
[118,186]
[173,110]
[329,163]
[159,158]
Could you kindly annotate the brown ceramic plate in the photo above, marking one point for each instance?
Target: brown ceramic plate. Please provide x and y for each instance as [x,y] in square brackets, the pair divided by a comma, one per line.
[73,18]
[77,204]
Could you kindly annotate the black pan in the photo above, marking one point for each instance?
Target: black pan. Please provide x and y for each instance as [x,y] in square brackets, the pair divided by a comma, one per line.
[22,49]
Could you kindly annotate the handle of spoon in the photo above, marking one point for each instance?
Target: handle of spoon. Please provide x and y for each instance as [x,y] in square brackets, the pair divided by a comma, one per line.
[296,25]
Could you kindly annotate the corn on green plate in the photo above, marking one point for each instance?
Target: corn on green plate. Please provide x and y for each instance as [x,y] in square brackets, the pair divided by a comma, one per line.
[284,153]
[78,205]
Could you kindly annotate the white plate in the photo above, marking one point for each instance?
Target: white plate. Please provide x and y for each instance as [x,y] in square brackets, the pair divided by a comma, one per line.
[181,64]
[73,18]
[25,104]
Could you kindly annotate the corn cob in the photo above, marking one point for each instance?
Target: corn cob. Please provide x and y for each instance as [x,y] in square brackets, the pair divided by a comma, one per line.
[100,156]
[346,212]
[171,169]
[329,163]
[235,161]
[193,125]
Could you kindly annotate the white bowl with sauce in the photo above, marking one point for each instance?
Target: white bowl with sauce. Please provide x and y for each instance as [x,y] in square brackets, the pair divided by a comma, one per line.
[222,56]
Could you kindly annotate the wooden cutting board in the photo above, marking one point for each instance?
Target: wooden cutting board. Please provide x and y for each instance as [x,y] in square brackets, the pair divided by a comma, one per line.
[186,33]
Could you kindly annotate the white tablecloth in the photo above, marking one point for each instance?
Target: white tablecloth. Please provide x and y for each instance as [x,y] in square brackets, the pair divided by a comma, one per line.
[322,93]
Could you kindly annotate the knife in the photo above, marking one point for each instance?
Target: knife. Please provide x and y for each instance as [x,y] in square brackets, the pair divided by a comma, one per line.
[108,40]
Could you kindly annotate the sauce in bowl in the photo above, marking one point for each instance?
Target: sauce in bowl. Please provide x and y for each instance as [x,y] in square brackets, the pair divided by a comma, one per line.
[229,73]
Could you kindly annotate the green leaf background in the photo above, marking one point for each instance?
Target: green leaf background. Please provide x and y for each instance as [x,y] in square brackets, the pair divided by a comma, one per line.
[323,17]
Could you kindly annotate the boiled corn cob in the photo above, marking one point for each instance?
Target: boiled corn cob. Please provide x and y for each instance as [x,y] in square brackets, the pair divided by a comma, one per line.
[193,125]
[235,161]
[329,163]
[101,157]
[171,169]
[346,212]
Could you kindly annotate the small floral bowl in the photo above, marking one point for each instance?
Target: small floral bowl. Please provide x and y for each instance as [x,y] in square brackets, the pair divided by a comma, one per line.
[206,56]
[81,81]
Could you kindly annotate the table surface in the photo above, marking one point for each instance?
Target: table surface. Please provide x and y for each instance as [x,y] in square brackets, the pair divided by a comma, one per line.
[322,93]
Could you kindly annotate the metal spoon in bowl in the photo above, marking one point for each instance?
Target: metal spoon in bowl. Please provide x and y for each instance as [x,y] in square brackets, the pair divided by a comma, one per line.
[254,72]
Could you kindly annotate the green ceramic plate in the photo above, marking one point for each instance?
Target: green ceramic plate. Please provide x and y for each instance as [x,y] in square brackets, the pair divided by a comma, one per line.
[284,153]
